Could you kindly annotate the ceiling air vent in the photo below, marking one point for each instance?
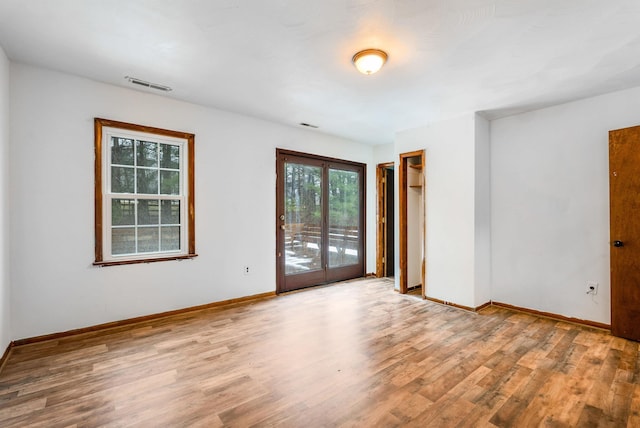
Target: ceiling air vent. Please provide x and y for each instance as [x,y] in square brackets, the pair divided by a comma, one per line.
[146,84]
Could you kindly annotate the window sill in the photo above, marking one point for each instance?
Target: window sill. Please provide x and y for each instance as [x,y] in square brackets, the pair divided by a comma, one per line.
[137,261]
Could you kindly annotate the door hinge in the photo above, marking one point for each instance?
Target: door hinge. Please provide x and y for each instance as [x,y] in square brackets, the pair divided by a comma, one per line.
[383,260]
[382,220]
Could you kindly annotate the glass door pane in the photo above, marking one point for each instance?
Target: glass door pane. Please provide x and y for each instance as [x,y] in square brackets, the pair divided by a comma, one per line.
[344,218]
[319,220]
[303,218]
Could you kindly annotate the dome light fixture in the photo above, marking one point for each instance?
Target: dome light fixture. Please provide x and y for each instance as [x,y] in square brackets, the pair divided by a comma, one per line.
[369,61]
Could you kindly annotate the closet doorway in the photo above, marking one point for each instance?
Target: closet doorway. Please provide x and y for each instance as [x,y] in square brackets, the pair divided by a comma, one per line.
[411,188]
[320,226]
[385,248]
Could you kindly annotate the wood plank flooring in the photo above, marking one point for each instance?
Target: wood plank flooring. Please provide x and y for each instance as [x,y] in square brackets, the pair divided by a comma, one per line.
[352,354]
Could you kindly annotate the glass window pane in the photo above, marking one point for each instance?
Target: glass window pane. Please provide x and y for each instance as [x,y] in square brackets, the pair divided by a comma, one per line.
[344,217]
[147,181]
[121,179]
[121,151]
[148,211]
[169,156]
[148,239]
[170,212]
[123,212]
[123,240]
[170,182]
[303,218]
[170,238]
[147,153]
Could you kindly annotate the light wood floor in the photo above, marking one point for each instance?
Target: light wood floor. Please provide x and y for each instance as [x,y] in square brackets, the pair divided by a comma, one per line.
[354,354]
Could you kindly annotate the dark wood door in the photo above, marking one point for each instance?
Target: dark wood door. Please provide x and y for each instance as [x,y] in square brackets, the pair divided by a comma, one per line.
[320,216]
[624,190]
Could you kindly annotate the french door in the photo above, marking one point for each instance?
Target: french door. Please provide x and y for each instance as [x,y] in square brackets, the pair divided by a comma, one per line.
[319,220]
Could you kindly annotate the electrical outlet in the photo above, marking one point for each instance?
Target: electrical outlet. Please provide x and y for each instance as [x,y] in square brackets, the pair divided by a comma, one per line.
[592,288]
[245,270]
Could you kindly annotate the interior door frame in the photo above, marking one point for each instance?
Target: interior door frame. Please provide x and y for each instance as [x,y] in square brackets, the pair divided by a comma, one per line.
[331,163]
[381,218]
[403,190]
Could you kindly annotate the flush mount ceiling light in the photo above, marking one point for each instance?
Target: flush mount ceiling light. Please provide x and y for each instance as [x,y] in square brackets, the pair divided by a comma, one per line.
[369,61]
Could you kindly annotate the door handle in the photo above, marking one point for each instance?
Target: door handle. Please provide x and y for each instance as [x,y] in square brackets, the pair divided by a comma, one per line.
[618,244]
[283,227]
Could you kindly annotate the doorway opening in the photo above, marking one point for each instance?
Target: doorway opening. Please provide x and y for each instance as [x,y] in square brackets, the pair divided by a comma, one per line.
[320,220]
[385,248]
[412,223]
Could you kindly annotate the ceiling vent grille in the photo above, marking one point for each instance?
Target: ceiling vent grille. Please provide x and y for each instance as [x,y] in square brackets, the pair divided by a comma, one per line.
[146,84]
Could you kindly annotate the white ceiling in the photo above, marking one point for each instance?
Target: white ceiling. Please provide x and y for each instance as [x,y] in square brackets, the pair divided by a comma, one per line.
[289,61]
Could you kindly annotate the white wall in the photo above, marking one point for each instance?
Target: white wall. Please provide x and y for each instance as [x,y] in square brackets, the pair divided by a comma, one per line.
[482,293]
[550,204]
[450,206]
[5,289]
[384,153]
[55,286]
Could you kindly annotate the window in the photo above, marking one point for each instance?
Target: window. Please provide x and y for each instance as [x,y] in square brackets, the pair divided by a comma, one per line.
[144,201]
